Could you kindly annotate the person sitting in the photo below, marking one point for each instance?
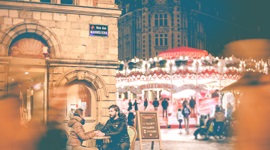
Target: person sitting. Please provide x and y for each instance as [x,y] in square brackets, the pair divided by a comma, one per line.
[77,133]
[131,118]
[203,120]
[116,128]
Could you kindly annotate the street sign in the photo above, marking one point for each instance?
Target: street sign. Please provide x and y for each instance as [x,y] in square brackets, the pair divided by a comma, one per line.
[98,30]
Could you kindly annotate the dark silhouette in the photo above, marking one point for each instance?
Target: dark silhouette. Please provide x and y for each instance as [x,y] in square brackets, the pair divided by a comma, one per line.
[145,103]
[192,104]
[155,104]
[131,118]
[129,105]
[164,105]
[135,105]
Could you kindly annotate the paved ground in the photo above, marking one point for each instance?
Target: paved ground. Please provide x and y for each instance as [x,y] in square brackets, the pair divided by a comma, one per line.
[172,139]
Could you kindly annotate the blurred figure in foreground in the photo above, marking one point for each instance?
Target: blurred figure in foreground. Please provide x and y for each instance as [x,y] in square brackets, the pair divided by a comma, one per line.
[253,132]
[13,135]
[53,139]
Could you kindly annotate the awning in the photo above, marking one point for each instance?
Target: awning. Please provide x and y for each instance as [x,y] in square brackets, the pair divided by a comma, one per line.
[183,51]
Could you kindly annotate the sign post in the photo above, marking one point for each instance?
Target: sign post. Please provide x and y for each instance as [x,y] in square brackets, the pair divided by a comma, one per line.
[148,127]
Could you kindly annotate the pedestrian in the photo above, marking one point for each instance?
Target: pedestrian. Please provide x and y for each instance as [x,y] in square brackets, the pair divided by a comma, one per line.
[164,105]
[185,102]
[77,133]
[186,113]
[155,104]
[229,110]
[180,118]
[116,128]
[129,105]
[145,103]
[135,105]
[192,104]
[219,122]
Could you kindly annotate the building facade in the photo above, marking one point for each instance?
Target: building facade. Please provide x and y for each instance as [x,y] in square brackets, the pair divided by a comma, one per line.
[47,45]
[148,27]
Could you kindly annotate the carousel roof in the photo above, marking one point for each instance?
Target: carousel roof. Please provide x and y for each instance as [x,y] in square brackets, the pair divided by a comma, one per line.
[183,51]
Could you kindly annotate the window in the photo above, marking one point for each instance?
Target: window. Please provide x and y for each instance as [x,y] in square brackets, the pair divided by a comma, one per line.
[161,20]
[79,96]
[66,1]
[45,1]
[156,39]
[165,20]
[156,19]
[161,39]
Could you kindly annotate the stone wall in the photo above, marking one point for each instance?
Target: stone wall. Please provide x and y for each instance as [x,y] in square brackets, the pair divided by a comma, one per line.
[65,28]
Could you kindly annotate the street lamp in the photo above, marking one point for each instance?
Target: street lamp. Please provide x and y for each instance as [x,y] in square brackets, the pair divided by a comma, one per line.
[147,67]
[46,85]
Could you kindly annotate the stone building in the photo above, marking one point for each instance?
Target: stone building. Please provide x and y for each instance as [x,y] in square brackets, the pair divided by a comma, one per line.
[148,27]
[46,45]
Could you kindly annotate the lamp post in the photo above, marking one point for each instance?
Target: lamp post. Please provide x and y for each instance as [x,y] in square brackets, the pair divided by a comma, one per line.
[221,69]
[46,85]
[147,66]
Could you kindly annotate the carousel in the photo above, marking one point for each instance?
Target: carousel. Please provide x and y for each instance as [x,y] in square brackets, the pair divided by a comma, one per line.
[178,74]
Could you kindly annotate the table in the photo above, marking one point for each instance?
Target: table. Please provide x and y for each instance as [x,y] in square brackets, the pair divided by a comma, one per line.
[100,140]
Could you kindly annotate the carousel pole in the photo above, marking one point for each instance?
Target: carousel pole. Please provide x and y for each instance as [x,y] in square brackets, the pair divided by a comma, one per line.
[222,68]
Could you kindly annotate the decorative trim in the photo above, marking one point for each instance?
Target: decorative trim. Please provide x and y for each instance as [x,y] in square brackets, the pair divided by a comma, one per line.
[49,36]
[83,74]
[60,8]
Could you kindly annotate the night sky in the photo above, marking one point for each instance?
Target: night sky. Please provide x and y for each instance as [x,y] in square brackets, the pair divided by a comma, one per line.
[237,19]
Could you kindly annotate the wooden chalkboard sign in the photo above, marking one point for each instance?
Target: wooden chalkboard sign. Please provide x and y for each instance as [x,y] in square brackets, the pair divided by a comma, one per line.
[148,127]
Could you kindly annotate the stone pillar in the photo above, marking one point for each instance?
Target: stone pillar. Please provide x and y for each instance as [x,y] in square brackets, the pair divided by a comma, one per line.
[158,94]
[56,1]
[3,78]
[129,95]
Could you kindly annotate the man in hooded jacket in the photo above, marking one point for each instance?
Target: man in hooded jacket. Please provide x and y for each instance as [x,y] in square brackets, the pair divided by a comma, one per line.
[116,128]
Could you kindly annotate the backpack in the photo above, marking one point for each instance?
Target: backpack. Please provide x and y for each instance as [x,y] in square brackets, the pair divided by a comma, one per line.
[186,111]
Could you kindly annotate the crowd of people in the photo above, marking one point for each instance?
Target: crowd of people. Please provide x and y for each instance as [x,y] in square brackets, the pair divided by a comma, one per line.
[215,125]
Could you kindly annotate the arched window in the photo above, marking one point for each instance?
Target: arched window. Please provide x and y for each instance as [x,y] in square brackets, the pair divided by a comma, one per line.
[79,96]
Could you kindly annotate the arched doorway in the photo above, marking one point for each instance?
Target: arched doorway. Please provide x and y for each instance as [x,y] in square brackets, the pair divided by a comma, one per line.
[27,68]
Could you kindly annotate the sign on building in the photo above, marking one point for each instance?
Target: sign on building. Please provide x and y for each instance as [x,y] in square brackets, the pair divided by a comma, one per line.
[98,30]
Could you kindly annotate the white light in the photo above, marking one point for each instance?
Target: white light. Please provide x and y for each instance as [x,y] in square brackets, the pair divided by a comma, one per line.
[26,73]
[45,50]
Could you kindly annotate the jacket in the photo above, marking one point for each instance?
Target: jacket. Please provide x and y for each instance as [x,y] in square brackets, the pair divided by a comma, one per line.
[77,133]
[117,129]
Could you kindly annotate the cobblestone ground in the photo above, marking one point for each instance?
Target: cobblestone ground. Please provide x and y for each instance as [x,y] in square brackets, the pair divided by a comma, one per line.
[172,139]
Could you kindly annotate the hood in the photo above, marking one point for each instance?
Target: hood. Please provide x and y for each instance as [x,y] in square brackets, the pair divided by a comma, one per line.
[123,116]
[73,120]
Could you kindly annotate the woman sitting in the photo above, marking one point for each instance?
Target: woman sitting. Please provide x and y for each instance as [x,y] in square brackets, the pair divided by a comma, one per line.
[77,133]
